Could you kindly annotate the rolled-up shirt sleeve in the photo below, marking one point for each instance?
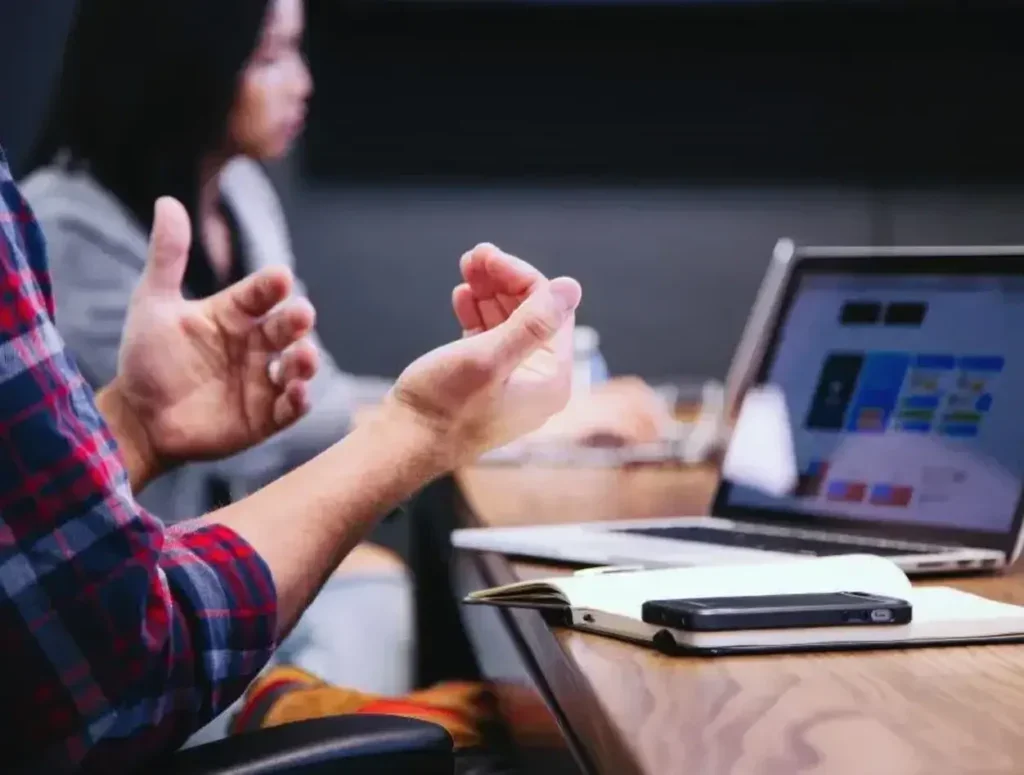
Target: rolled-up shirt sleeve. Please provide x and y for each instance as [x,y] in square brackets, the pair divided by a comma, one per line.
[120,637]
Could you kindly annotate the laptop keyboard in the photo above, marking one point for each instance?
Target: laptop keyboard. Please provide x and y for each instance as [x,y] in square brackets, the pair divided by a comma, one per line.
[775,542]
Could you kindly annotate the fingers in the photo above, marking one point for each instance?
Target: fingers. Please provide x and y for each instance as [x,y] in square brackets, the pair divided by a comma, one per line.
[482,290]
[292,404]
[466,311]
[490,272]
[291,373]
[299,362]
[536,322]
[240,306]
[492,312]
[496,282]
[169,243]
[473,267]
[288,323]
[259,293]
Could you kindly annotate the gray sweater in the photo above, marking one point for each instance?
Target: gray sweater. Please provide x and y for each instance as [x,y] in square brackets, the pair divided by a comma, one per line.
[97,253]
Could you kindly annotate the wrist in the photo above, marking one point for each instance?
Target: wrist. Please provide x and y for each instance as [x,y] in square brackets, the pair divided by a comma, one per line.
[417,441]
[129,431]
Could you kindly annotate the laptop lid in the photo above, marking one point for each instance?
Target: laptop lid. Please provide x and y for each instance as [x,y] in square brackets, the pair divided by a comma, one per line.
[903,376]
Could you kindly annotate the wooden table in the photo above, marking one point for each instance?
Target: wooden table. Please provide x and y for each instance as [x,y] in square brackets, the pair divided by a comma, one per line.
[618,708]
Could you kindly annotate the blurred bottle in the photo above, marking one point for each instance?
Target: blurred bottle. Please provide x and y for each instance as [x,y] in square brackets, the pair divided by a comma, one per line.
[589,366]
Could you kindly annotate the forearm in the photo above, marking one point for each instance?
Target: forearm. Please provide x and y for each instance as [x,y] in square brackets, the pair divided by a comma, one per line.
[303,524]
[131,438]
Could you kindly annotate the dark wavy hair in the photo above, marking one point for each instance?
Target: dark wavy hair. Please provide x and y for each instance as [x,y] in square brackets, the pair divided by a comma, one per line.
[145,93]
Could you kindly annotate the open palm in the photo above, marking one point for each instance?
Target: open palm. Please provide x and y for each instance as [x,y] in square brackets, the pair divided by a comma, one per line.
[207,378]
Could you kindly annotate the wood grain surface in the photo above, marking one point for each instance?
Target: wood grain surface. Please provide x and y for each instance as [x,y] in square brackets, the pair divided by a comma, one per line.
[900,712]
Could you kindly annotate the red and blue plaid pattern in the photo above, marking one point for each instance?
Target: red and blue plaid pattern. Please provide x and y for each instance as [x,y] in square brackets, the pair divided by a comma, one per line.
[119,637]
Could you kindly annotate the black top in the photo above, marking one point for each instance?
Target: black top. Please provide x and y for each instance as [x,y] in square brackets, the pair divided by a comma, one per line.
[200,278]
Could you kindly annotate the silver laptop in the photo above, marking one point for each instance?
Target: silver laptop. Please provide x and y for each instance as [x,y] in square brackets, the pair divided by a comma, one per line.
[903,376]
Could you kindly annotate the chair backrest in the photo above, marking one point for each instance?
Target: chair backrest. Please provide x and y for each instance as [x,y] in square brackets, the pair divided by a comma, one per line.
[350,745]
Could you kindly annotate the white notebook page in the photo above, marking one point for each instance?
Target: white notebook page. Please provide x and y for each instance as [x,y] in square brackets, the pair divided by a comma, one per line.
[625,593]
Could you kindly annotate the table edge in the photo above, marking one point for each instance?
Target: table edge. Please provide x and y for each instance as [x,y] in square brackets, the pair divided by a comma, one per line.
[600,742]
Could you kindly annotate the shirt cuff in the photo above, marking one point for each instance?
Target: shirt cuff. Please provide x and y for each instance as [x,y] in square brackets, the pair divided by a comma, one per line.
[233,601]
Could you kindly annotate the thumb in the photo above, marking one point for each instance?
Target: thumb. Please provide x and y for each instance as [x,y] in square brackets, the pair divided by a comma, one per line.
[535,322]
[169,243]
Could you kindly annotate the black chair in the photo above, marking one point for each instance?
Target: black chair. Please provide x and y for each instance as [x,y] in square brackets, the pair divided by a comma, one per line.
[346,745]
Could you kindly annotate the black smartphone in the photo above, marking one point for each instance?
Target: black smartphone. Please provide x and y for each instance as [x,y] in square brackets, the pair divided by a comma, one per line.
[760,612]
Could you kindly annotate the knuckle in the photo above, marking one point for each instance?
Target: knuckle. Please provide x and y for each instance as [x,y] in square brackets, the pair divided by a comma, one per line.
[300,306]
[309,354]
[539,327]
[275,328]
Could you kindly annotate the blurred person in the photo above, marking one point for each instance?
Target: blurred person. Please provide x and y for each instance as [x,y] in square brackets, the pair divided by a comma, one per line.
[122,635]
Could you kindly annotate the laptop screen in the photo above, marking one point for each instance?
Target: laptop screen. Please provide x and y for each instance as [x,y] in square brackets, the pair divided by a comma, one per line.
[906,397]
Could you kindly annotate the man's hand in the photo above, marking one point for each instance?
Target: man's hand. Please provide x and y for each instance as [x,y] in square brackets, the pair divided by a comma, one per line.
[505,377]
[511,370]
[204,379]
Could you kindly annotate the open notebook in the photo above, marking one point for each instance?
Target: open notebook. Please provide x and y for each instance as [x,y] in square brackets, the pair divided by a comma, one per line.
[609,601]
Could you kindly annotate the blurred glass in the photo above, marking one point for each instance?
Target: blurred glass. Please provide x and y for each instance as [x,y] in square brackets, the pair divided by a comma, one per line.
[696,406]
[684,396]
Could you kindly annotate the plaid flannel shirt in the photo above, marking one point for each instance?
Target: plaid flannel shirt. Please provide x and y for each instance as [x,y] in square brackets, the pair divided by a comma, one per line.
[119,637]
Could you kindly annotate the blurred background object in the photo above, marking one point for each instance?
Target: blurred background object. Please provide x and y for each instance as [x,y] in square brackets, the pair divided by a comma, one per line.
[589,368]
